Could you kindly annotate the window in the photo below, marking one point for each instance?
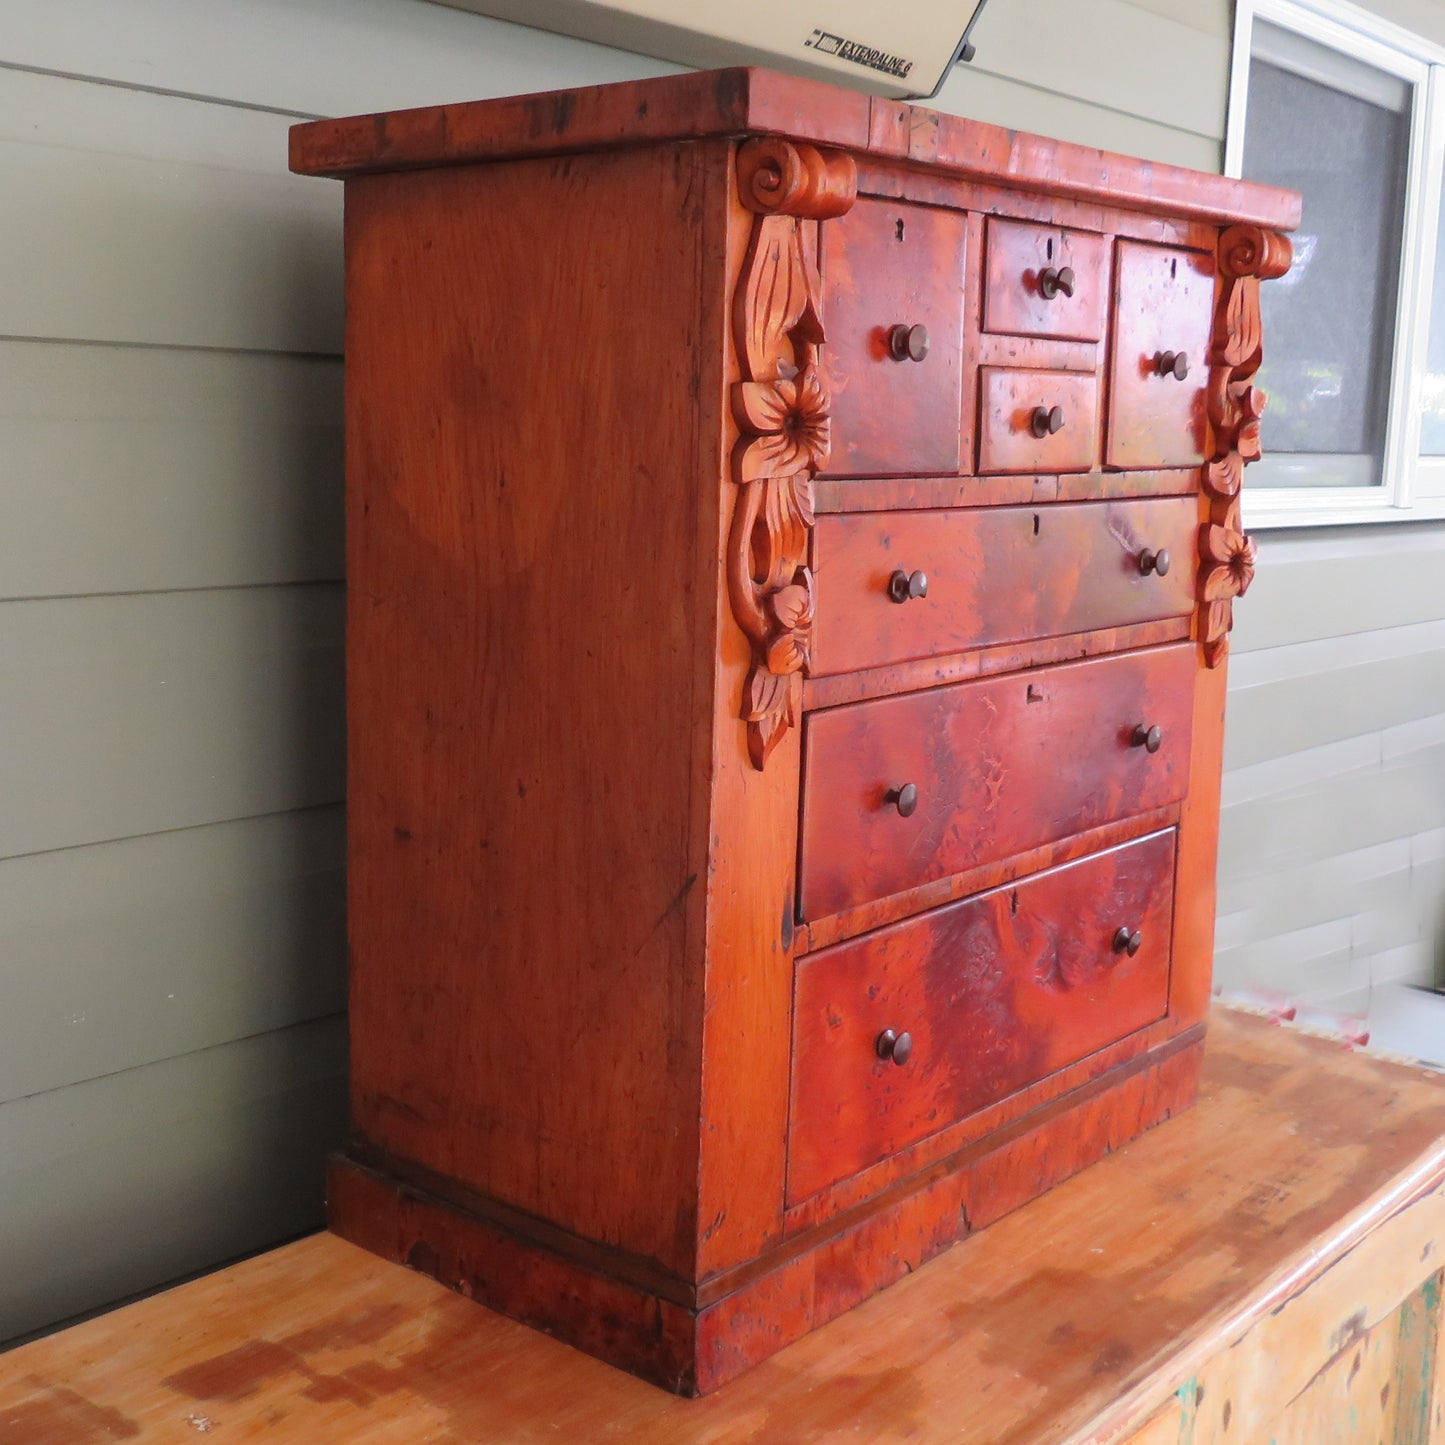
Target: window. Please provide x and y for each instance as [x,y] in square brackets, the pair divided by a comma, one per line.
[1332,102]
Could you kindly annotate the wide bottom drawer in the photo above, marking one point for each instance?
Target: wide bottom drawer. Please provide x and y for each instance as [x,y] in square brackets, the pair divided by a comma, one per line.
[908,1030]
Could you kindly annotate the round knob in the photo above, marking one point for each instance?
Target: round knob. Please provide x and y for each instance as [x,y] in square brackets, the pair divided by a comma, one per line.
[904,586]
[1127,942]
[1172,363]
[907,343]
[904,798]
[1148,738]
[1155,562]
[1046,420]
[1051,282]
[894,1046]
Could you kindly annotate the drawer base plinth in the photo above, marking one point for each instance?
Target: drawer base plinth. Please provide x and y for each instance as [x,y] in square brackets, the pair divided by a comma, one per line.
[708,1333]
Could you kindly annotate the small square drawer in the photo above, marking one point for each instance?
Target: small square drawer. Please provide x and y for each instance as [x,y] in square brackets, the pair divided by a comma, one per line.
[994,575]
[903,790]
[1163,314]
[1037,421]
[903,1032]
[893,284]
[1043,281]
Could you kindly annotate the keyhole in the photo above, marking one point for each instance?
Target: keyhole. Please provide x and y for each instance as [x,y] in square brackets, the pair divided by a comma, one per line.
[1013,904]
[1173,267]
[899,228]
[1050,248]
[1036,524]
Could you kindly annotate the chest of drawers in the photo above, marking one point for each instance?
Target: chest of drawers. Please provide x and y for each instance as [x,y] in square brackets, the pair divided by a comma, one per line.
[791,545]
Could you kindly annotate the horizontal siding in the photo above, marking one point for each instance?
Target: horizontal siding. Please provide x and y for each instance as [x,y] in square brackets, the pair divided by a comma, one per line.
[152,711]
[127,953]
[129,469]
[117,1184]
[1332,838]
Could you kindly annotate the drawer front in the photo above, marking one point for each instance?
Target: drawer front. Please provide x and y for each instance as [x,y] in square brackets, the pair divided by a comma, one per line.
[886,265]
[995,575]
[995,993]
[1163,307]
[1000,765]
[1013,405]
[1031,271]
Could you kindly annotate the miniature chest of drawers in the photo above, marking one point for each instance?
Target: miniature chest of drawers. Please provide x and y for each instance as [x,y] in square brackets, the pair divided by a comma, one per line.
[791,545]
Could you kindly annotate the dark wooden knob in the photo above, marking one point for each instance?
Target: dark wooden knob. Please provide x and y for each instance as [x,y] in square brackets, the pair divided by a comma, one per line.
[905,586]
[907,343]
[1155,562]
[895,1046]
[1046,420]
[1148,738]
[1128,942]
[1051,282]
[904,798]
[1172,363]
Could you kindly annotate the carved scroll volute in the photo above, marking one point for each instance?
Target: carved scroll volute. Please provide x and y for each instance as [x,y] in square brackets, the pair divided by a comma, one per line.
[781,405]
[1247,255]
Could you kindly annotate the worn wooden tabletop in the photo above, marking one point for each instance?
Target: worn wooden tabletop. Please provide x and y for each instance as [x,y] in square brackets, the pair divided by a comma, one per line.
[1069,1321]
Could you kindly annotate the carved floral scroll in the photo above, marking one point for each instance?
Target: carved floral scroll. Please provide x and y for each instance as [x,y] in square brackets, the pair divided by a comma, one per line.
[781,405]
[1247,255]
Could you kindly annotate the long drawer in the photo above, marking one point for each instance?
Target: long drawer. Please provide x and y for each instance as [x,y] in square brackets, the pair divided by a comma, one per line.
[903,1032]
[902,790]
[995,575]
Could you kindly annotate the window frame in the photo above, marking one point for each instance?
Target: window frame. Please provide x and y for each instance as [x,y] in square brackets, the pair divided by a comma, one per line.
[1412,487]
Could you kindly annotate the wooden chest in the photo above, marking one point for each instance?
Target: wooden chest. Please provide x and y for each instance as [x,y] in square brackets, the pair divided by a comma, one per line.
[791,545]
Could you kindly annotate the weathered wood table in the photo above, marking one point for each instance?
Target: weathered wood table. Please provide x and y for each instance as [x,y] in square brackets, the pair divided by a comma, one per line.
[1266,1268]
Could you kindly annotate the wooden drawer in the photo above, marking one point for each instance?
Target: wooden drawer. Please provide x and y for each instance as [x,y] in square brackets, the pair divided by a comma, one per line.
[1163,305]
[1000,764]
[1030,272]
[995,993]
[1010,400]
[887,264]
[995,575]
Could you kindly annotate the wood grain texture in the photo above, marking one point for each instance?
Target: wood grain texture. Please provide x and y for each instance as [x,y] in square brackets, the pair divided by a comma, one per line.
[994,993]
[1000,765]
[1305,1174]
[1009,401]
[995,575]
[479,562]
[729,102]
[1015,302]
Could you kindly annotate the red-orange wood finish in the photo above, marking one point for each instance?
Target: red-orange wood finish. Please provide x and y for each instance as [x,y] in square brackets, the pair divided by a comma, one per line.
[991,994]
[1037,421]
[995,575]
[997,766]
[1163,305]
[610,353]
[887,266]
[1044,281]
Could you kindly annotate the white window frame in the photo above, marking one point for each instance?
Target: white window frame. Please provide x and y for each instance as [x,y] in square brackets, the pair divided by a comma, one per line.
[1413,487]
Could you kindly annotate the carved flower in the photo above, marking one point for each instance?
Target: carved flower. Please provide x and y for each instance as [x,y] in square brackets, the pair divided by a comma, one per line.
[792,609]
[1229,558]
[788,421]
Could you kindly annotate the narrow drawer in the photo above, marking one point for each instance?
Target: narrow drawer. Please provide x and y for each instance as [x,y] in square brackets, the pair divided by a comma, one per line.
[889,265]
[998,765]
[1043,281]
[1163,311]
[995,575]
[993,993]
[1017,408]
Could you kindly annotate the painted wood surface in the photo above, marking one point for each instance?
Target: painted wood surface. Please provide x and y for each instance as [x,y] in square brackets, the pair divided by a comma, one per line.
[989,768]
[1037,420]
[1043,281]
[987,996]
[994,576]
[1268,1236]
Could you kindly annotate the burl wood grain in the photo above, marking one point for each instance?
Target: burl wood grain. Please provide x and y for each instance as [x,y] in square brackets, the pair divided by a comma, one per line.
[1001,764]
[531,605]
[1010,396]
[995,992]
[1014,300]
[888,264]
[995,575]
[1163,303]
